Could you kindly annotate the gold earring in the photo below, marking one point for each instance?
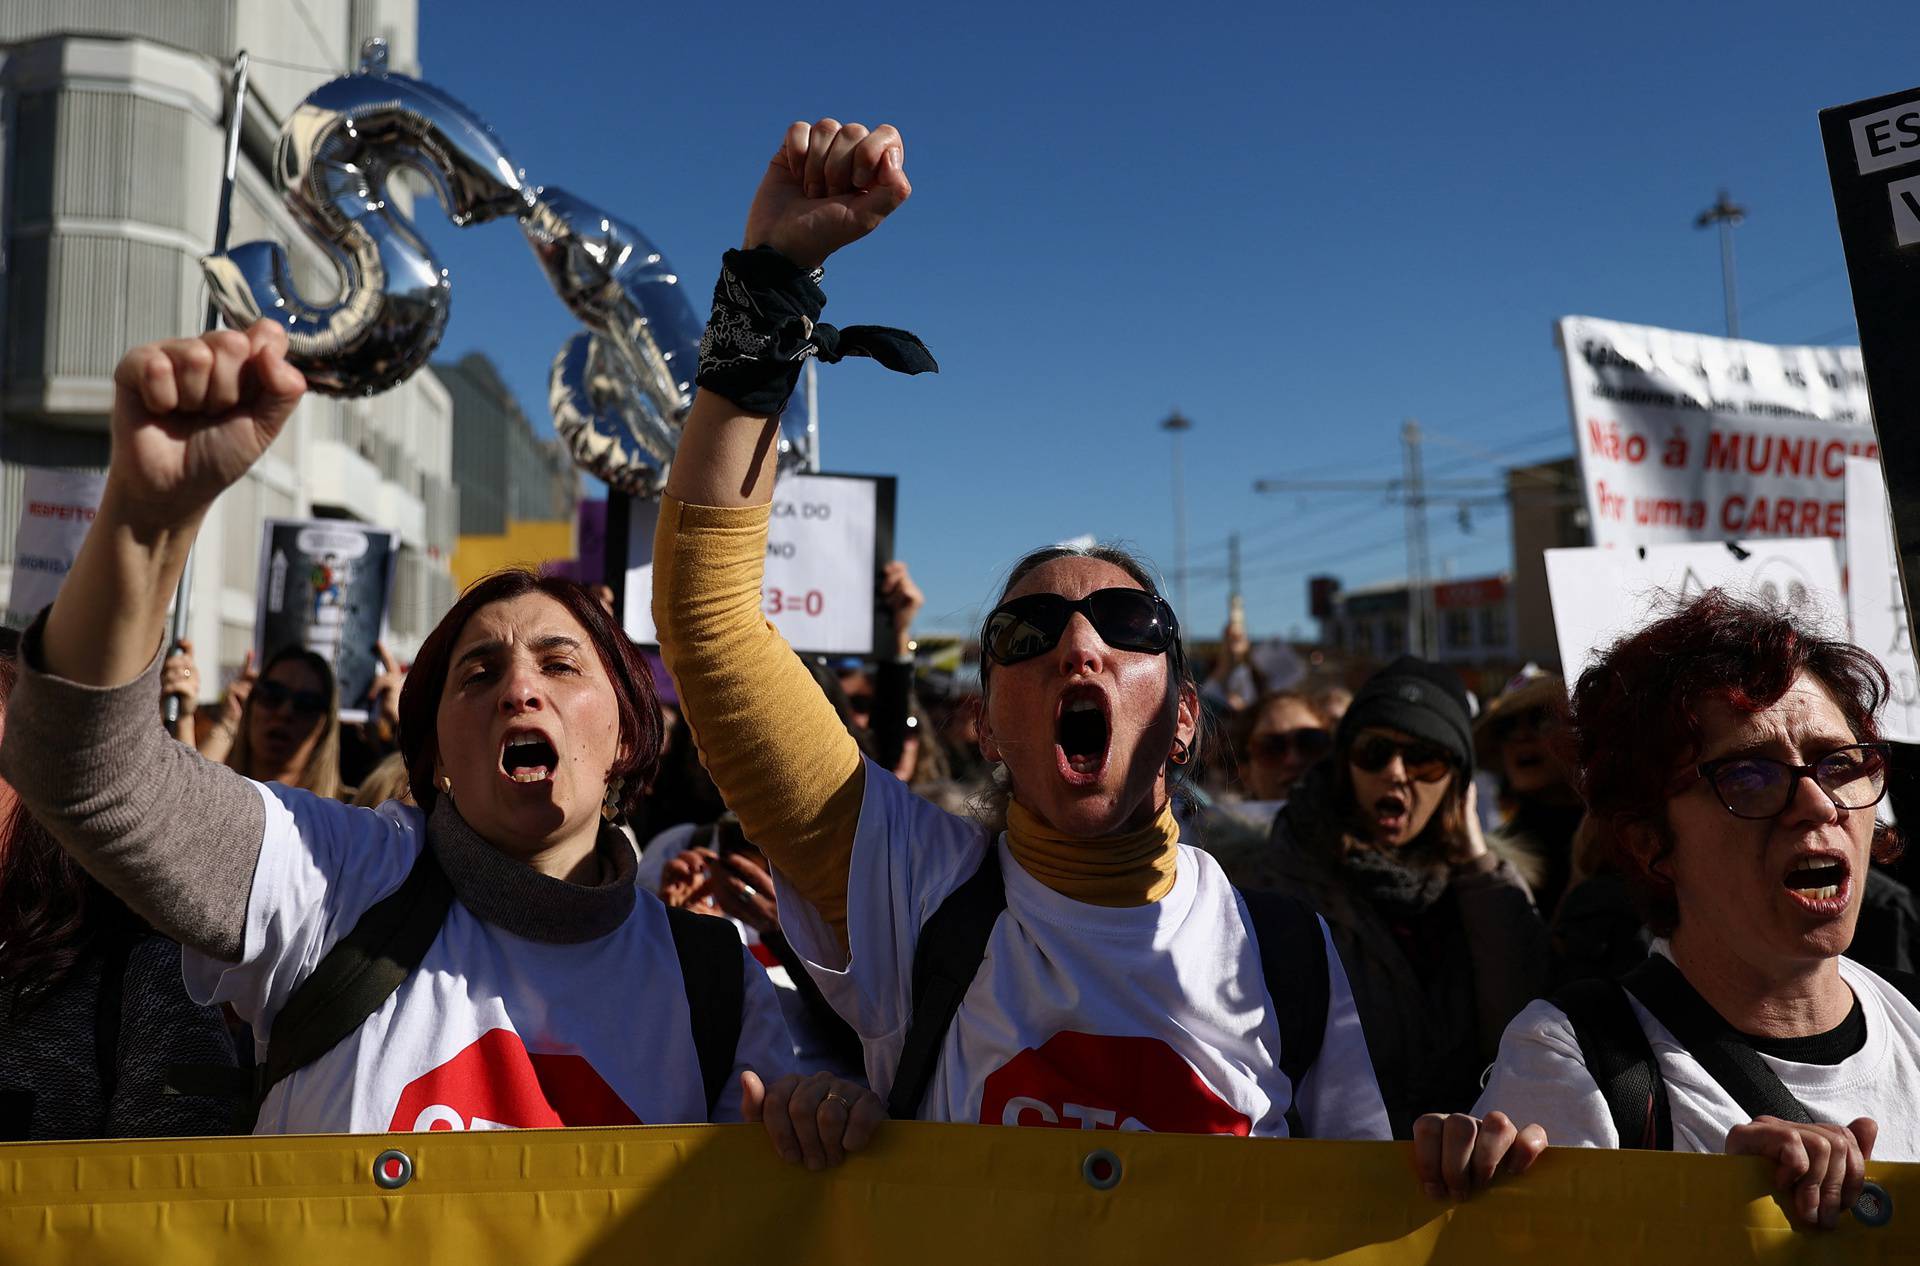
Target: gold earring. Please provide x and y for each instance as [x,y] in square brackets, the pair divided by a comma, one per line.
[1182,753]
[610,804]
[446,785]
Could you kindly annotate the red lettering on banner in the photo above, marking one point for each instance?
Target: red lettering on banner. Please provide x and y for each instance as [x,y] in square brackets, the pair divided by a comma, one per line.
[496,1083]
[1089,1081]
[54,510]
[1785,516]
[1723,450]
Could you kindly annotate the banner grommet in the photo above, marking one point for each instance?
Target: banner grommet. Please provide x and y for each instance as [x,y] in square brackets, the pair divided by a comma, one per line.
[392,1169]
[1101,1169]
[1874,1207]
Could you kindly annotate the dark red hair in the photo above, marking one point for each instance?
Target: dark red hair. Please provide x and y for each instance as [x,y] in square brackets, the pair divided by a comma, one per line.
[1636,723]
[640,726]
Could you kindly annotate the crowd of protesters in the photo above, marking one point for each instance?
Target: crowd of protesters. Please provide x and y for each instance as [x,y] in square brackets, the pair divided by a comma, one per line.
[1098,883]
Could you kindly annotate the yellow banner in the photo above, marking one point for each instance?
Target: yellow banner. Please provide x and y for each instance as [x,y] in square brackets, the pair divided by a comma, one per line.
[924,1194]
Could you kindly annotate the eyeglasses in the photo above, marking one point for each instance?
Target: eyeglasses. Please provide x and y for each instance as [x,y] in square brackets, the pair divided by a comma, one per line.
[1424,762]
[1758,787]
[1309,742]
[1535,721]
[1125,619]
[274,694]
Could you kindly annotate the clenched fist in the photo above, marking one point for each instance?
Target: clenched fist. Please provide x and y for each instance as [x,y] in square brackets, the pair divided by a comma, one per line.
[190,416]
[830,184]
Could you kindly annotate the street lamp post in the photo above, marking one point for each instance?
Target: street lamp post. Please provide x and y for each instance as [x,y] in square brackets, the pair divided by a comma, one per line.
[1175,425]
[1725,214]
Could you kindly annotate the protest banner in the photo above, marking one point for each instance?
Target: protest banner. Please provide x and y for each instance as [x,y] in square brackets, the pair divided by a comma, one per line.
[1875,606]
[938,1195]
[1600,595]
[57,508]
[1686,437]
[325,585]
[829,537]
[1873,159]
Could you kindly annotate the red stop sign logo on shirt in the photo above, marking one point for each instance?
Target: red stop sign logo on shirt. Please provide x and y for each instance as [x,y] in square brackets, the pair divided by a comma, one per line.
[1086,1081]
[497,1084]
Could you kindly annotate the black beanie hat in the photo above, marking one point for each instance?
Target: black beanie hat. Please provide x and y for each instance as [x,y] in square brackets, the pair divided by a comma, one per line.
[1417,698]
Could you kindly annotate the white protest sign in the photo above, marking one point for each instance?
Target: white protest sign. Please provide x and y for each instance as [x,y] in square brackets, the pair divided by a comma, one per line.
[1601,595]
[1874,601]
[1686,437]
[825,547]
[58,509]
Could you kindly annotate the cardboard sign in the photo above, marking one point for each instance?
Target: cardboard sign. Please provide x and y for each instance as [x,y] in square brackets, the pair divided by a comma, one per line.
[829,537]
[1873,158]
[324,585]
[1601,595]
[1874,604]
[58,509]
[1686,437]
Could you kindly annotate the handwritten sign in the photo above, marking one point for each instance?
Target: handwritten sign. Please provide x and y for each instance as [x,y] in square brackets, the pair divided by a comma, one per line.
[56,511]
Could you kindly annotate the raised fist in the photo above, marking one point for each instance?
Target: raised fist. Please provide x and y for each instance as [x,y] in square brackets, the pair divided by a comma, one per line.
[829,184]
[190,416]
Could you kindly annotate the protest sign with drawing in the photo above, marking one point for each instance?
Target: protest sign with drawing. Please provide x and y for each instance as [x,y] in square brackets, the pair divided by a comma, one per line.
[324,585]
[1601,595]
[828,539]
[1685,437]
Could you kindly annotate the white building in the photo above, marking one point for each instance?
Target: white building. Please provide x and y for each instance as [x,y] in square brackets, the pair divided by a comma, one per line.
[112,120]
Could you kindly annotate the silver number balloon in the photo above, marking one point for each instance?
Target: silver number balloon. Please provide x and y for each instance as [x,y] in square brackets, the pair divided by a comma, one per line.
[336,153]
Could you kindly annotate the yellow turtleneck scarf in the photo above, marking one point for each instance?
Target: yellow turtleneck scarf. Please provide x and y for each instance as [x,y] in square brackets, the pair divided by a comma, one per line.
[779,754]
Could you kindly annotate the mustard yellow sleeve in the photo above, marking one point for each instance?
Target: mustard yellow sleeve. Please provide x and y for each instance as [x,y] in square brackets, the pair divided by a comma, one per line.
[775,747]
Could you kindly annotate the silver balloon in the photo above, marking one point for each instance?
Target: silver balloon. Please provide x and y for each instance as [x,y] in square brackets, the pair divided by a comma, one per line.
[612,427]
[336,153]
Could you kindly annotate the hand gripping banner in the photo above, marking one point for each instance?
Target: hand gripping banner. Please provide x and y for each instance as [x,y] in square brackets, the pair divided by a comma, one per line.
[932,1195]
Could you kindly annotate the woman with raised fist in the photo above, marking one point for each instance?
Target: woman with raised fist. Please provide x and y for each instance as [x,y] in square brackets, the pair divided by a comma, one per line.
[1081,969]
[481,960]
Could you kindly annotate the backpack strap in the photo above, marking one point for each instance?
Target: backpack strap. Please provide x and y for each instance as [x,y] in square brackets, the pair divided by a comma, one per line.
[711,967]
[107,1002]
[1713,1043]
[1293,958]
[358,974]
[1616,1052]
[946,958]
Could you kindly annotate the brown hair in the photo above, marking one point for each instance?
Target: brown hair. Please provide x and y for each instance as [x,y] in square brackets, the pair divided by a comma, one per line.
[626,669]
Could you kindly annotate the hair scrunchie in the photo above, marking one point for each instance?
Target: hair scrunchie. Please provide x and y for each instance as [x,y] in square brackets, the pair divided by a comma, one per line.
[766,322]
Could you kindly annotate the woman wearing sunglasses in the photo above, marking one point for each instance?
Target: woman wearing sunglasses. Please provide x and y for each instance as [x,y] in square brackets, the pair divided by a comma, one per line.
[1730,759]
[288,730]
[1116,983]
[1439,935]
[1289,734]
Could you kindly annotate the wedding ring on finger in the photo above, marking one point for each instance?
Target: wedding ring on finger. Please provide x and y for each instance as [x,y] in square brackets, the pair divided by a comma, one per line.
[834,1096]
[748,890]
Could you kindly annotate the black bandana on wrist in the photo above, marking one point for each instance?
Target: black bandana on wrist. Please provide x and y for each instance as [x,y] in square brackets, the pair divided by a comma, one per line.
[766,322]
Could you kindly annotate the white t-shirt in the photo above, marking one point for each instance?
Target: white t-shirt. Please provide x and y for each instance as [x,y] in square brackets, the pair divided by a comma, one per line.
[1151,1017]
[493,1031]
[1540,1077]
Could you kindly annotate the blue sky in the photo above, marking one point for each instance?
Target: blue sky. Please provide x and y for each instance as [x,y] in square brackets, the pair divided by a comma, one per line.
[1299,227]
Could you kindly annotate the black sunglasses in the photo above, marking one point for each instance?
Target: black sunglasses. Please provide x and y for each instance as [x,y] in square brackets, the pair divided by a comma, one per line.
[1534,721]
[1757,787]
[1310,741]
[274,694]
[1125,619]
[1424,761]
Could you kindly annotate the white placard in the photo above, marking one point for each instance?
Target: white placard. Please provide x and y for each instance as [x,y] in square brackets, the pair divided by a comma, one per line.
[1686,437]
[1601,595]
[59,508]
[1875,603]
[822,564]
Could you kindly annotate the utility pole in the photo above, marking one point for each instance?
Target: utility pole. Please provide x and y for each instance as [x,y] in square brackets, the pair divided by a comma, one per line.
[1177,425]
[1236,603]
[1725,214]
[1422,636]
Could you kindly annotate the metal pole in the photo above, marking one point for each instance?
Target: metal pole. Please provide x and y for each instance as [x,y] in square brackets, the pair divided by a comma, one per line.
[1420,615]
[813,415]
[223,225]
[1178,425]
[1725,213]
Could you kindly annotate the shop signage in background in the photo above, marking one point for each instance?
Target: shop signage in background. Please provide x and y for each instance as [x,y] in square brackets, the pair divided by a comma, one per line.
[829,538]
[1874,604]
[1686,437]
[325,584]
[57,507]
[1873,158]
[1601,595]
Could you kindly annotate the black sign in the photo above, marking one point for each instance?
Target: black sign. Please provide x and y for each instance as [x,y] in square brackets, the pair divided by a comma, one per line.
[1873,156]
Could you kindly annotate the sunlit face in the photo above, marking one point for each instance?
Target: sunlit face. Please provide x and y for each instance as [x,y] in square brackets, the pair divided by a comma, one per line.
[1394,806]
[286,714]
[528,726]
[1776,893]
[1278,752]
[1085,730]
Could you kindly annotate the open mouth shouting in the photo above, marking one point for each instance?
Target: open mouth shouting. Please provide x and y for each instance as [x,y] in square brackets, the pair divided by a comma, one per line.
[1083,734]
[1820,883]
[1391,813]
[528,756]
